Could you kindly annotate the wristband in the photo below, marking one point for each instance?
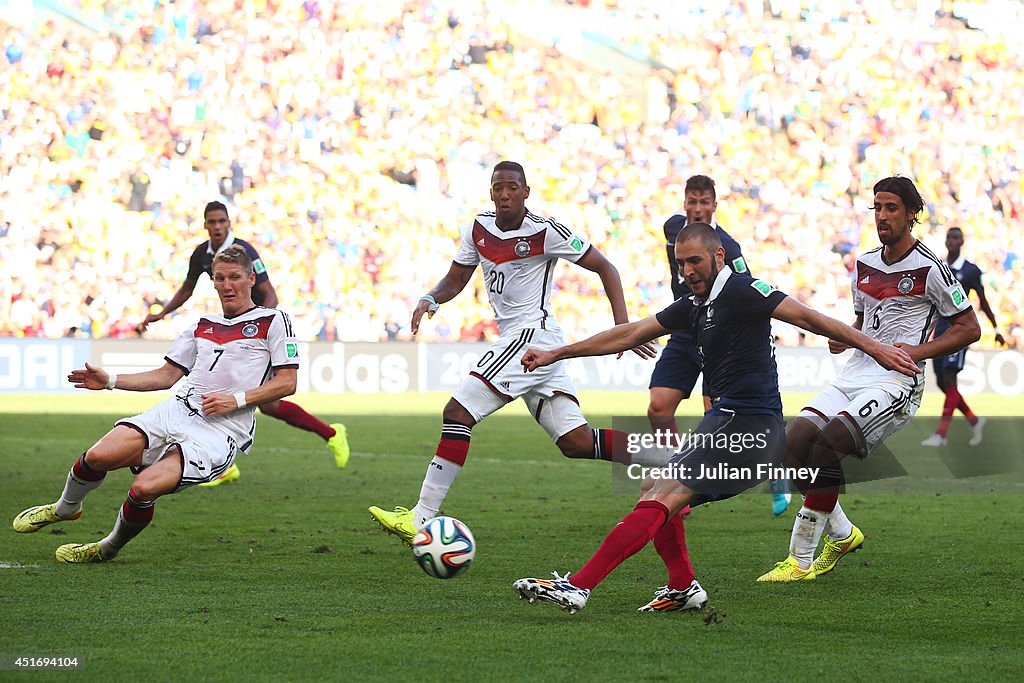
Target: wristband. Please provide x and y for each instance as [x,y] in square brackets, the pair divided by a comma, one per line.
[433,304]
[111,381]
[240,399]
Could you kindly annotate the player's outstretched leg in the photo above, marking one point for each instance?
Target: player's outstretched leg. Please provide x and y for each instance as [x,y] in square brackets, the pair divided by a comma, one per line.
[625,540]
[338,445]
[81,479]
[557,590]
[134,516]
[444,467]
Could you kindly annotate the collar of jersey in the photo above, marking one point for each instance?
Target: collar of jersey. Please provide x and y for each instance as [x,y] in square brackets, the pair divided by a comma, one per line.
[228,241]
[958,264]
[713,223]
[716,288]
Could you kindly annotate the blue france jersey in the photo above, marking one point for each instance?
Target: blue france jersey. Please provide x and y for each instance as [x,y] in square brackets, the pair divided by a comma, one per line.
[201,262]
[733,254]
[969,276]
[734,336]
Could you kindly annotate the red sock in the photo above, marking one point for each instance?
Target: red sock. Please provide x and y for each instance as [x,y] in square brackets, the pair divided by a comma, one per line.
[82,471]
[625,540]
[454,443]
[136,511]
[667,424]
[670,542]
[297,417]
[948,406]
[610,444]
[821,501]
[966,410]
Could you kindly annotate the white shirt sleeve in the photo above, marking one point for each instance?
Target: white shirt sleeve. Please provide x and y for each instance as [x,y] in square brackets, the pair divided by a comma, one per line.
[945,292]
[468,254]
[184,350]
[858,296]
[561,242]
[284,347]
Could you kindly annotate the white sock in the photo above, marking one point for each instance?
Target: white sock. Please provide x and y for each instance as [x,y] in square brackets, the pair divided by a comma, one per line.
[440,476]
[839,525]
[122,532]
[807,529]
[75,490]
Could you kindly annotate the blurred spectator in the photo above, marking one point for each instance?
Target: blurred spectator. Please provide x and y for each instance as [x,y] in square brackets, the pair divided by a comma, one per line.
[351,141]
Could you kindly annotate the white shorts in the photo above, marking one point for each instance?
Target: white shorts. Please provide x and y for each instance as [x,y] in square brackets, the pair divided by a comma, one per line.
[207,451]
[871,414]
[498,378]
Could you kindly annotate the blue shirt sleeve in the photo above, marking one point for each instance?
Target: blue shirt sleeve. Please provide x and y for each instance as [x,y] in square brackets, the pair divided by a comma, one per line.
[672,227]
[195,264]
[757,298]
[733,254]
[972,280]
[257,262]
[679,315]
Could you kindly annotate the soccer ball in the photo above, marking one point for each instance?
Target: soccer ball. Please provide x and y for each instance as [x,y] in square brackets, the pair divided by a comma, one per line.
[444,548]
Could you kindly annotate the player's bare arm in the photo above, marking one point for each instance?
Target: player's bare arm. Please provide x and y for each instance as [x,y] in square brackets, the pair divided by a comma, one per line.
[183,294]
[94,377]
[888,356]
[986,308]
[282,384]
[448,288]
[963,332]
[838,346]
[595,262]
[633,335]
[265,290]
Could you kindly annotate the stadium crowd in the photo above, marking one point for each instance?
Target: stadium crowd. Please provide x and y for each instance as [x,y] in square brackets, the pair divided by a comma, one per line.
[352,142]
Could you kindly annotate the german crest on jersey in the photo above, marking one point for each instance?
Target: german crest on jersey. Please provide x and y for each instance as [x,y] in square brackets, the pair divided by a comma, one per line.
[250,330]
[905,285]
[522,249]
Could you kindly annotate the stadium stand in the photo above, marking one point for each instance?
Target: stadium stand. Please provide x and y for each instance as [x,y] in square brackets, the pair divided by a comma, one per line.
[353,140]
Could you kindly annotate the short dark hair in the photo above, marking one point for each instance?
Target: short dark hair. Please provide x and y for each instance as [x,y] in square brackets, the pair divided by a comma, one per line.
[955,229]
[707,235]
[903,188]
[214,206]
[700,183]
[510,166]
[233,254]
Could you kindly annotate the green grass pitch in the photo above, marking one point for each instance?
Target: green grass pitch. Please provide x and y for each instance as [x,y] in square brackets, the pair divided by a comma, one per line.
[282,576]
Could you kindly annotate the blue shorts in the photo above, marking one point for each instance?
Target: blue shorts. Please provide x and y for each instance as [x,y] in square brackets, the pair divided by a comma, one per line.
[679,364]
[954,362]
[728,454]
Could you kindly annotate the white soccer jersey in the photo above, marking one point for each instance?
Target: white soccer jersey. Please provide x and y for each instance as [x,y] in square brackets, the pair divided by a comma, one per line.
[226,355]
[519,266]
[900,302]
